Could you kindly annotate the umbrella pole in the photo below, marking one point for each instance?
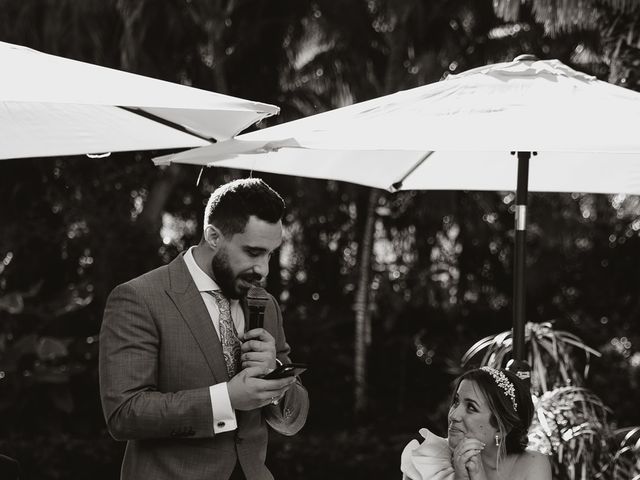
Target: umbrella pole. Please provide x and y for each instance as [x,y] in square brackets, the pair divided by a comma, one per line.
[517,364]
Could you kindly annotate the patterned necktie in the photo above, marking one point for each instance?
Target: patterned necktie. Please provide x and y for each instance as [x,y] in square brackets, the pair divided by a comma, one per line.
[228,333]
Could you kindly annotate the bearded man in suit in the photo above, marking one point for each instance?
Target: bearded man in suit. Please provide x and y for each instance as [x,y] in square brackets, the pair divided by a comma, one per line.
[180,377]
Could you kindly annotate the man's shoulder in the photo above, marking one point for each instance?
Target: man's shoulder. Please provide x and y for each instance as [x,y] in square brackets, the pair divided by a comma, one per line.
[152,276]
[273,303]
[158,277]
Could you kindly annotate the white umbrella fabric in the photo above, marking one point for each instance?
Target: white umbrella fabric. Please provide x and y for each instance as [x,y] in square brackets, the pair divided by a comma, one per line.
[53,106]
[585,132]
[464,133]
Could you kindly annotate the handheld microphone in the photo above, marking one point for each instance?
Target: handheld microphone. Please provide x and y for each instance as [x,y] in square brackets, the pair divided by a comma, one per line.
[257,298]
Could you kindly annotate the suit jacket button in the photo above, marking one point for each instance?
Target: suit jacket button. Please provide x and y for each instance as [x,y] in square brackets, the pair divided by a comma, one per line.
[239,439]
[221,424]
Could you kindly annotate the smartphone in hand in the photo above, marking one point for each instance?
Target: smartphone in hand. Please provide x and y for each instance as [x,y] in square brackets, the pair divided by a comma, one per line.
[286,370]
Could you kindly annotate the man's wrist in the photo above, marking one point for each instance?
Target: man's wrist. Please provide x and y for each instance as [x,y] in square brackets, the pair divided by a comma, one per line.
[224,416]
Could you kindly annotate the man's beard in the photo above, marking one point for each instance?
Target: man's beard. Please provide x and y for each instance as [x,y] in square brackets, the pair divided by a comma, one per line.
[226,280]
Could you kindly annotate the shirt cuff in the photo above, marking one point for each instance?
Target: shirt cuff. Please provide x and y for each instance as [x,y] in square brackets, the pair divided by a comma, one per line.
[224,417]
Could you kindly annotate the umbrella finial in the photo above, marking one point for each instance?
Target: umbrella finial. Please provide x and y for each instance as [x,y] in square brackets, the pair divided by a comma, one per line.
[526,57]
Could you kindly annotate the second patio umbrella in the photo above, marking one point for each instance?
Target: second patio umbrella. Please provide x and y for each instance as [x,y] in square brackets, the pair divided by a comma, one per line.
[474,131]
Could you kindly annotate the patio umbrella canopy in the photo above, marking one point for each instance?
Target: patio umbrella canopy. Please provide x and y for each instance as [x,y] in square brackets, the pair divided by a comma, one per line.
[585,133]
[52,106]
[515,126]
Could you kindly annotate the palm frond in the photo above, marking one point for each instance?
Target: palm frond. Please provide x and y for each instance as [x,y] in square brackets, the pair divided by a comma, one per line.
[623,6]
[625,458]
[551,354]
[556,16]
[477,348]
[571,425]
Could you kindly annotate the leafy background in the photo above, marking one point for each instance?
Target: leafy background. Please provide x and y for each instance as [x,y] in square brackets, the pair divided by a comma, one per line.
[73,228]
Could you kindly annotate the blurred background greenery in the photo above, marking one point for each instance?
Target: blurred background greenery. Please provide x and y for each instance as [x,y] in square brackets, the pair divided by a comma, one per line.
[72,228]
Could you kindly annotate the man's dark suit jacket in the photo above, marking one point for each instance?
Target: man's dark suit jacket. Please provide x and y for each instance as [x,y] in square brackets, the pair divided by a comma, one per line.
[159,354]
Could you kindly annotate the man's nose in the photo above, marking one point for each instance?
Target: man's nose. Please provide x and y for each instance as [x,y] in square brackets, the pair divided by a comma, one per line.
[261,267]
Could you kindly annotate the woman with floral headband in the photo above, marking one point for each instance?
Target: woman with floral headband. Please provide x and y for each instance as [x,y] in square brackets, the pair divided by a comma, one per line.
[489,418]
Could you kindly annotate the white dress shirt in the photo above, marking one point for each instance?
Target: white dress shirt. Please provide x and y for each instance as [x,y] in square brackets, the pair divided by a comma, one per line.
[224,416]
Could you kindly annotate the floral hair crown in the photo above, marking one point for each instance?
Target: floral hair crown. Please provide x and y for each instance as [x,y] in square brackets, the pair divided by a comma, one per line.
[504,383]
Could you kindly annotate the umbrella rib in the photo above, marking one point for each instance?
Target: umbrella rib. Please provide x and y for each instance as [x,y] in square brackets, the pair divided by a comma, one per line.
[167,123]
[398,185]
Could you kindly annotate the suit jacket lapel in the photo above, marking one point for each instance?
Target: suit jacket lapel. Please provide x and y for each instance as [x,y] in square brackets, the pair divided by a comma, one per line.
[189,302]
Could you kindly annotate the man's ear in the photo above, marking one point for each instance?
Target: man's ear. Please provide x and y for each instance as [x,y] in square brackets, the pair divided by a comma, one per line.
[212,235]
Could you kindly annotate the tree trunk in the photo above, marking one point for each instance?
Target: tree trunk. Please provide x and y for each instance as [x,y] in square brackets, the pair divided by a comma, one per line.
[132,32]
[361,307]
[396,43]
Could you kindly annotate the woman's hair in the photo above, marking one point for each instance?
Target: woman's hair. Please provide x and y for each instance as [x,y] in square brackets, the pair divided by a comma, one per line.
[512,421]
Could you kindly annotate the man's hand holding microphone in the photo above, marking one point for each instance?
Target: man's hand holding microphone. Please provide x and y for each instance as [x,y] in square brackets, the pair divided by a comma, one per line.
[248,390]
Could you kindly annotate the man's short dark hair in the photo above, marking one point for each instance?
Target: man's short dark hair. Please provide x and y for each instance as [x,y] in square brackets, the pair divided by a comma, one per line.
[231,205]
